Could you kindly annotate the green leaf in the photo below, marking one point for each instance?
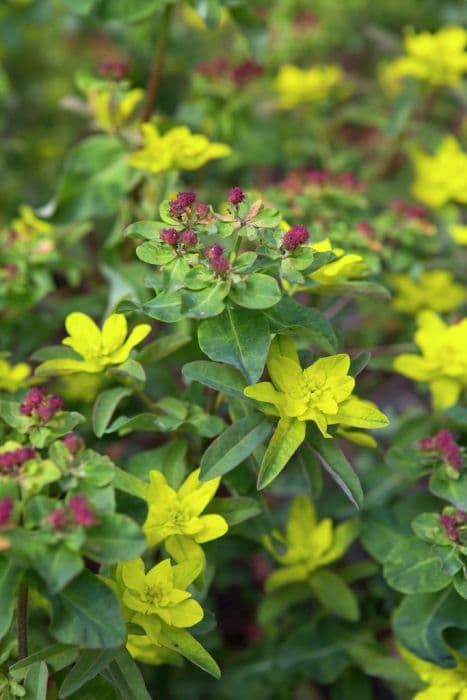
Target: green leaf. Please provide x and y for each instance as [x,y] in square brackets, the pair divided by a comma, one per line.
[89,664]
[58,565]
[129,484]
[374,662]
[336,464]
[10,577]
[162,347]
[421,620]
[239,338]
[155,253]
[115,538]
[452,490]
[334,594]
[125,675]
[87,613]
[104,407]
[35,682]
[257,292]
[288,316]
[167,307]
[280,600]
[414,566]
[287,438]
[234,510]
[184,643]
[352,288]
[217,376]
[205,303]
[55,655]
[144,229]
[127,10]
[234,445]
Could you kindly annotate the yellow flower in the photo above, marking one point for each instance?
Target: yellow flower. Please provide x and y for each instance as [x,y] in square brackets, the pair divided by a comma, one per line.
[296,85]
[179,512]
[307,544]
[443,362]
[459,233]
[14,377]
[439,58]
[28,224]
[443,683]
[435,290]
[98,348]
[160,592]
[321,393]
[441,177]
[177,149]
[348,265]
[112,109]
[142,649]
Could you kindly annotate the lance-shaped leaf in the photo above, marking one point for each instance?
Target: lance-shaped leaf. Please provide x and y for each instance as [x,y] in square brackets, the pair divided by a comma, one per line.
[287,438]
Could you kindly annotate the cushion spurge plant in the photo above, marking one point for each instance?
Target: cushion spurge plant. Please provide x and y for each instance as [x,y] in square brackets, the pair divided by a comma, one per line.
[321,394]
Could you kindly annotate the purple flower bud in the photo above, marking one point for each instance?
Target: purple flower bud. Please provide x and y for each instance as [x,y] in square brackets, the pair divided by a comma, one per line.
[183,201]
[189,239]
[6,506]
[214,251]
[57,519]
[449,523]
[295,237]
[202,210]
[32,399]
[170,236]
[220,265]
[82,512]
[236,196]
[73,443]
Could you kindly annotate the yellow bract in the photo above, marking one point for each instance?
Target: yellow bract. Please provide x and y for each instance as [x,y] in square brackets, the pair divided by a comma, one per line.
[27,224]
[348,265]
[459,233]
[177,149]
[307,544]
[441,177]
[443,683]
[443,362]
[161,591]
[439,59]
[14,377]
[112,109]
[321,393]
[98,348]
[179,512]
[435,290]
[296,85]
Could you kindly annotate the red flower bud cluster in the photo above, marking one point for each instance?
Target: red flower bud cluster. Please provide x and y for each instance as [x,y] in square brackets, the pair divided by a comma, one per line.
[12,461]
[236,196]
[410,211]
[297,181]
[172,237]
[73,443]
[37,404]
[182,204]
[221,68]
[446,446]
[79,512]
[295,237]
[217,259]
[115,70]
[451,522]
[6,506]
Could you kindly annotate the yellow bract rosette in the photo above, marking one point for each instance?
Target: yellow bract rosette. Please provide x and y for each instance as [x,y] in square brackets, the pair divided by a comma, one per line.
[442,177]
[296,85]
[435,290]
[98,348]
[307,544]
[179,512]
[177,149]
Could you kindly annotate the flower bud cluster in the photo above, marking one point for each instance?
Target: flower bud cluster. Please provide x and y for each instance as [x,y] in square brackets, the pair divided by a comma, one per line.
[295,237]
[12,461]
[77,512]
[42,406]
[444,444]
[217,260]
[451,523]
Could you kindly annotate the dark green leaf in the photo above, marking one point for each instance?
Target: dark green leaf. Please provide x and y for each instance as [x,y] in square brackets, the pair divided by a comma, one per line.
[334,594]
[217,376]
[257,292]
[234,445]
[104,407]
[289,315]
[234,510]
[336,464]
[89,664]
[115,538]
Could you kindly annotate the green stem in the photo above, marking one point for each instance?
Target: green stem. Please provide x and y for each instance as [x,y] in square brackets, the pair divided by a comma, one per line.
[157,66]
[22,621]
